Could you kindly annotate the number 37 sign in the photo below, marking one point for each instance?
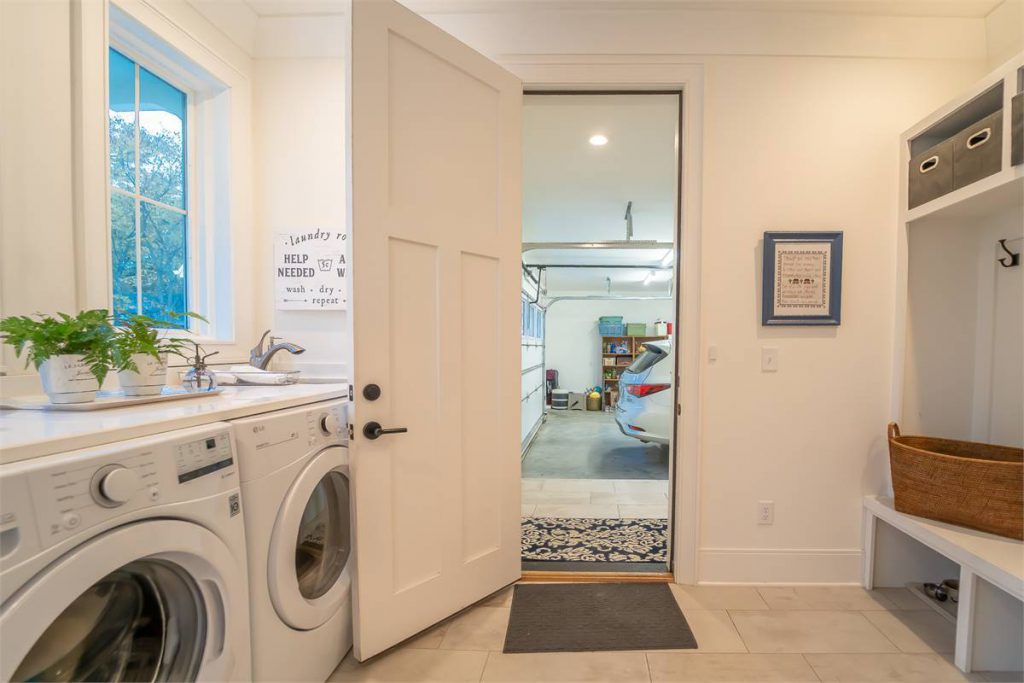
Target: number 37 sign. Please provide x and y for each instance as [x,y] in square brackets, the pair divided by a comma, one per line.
[310,270]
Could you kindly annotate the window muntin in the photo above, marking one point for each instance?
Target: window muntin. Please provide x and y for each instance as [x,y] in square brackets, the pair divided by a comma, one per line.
[149,192]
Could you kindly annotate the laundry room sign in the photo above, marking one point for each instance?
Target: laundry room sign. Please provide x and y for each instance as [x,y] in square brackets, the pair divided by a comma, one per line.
[310,270]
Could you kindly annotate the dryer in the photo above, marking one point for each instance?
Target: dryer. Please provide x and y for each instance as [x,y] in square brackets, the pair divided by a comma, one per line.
[125,562]
[295,485]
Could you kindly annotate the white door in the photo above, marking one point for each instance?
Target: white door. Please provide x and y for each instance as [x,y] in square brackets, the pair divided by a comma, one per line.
[435,229]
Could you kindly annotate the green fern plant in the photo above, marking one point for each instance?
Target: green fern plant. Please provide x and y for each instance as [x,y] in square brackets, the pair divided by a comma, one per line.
[41,337]
[142,334]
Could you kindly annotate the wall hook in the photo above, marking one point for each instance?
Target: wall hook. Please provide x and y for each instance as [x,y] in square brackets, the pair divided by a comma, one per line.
[1013,260]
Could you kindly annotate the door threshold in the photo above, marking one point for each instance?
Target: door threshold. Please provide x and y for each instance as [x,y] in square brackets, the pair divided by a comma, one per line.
[532,576]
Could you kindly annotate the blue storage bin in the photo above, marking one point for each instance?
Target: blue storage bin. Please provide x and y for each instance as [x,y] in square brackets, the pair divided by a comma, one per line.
[611,329]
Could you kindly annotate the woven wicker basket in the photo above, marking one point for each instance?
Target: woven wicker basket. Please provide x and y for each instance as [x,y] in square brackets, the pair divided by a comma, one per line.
[971,484]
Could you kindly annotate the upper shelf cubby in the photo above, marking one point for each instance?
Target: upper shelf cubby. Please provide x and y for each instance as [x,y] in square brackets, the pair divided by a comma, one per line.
[988,102]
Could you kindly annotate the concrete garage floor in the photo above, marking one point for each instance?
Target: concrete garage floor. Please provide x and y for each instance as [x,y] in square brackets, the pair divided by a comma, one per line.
[575,444]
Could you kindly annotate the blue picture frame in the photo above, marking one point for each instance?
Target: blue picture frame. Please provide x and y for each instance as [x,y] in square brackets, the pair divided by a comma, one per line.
[814,299]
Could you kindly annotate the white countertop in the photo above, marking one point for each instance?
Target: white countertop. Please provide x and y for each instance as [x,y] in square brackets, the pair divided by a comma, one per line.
[29,433]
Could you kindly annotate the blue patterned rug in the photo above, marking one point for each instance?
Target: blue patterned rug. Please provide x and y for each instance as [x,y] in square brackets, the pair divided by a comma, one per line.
[594,540]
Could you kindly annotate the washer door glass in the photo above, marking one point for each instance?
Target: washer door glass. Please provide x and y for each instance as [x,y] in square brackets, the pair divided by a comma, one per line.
[143,622]
[325,538]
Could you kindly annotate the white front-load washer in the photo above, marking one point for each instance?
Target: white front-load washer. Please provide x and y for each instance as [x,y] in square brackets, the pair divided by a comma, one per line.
[125,562]
[295,485]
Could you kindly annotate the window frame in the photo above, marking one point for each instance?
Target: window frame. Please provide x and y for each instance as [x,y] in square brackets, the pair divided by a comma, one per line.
[193,220]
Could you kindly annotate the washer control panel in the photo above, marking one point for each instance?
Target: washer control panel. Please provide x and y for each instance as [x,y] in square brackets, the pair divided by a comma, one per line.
[73,491]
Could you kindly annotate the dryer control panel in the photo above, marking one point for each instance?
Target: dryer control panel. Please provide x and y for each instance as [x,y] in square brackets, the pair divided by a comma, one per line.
[61,495]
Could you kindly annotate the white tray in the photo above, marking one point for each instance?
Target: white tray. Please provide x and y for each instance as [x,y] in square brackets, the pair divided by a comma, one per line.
[104,400]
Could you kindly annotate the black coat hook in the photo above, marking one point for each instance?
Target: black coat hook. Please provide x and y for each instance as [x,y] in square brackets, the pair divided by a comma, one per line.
[1014,259]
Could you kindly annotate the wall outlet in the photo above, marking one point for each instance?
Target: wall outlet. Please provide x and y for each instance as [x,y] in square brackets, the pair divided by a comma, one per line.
[769,359]
[766,512]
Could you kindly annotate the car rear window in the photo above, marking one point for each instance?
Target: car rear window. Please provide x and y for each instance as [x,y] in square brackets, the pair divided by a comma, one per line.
[646,359]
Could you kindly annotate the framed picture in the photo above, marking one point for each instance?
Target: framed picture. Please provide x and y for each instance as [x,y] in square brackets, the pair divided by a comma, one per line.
[803,278]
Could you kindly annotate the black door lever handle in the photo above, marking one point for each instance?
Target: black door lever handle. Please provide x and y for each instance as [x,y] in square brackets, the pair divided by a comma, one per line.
[373,430]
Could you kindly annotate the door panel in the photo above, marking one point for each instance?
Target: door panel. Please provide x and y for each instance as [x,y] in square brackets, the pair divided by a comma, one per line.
[435,234]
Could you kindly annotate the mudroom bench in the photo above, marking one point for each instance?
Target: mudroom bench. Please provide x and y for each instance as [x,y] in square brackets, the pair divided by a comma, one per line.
[900,550]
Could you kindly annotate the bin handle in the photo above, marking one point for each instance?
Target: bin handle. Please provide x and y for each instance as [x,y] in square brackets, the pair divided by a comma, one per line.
[979,138]
[929,164]
[894,430]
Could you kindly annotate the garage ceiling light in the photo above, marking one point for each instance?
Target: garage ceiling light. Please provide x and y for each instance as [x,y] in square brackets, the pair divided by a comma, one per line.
[598,140]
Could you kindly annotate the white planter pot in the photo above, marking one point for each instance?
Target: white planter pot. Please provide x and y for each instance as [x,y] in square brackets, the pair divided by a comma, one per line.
[149,380]
[68,379]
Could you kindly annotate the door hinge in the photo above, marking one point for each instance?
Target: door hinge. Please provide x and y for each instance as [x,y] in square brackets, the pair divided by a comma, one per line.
[351,432]
[351,393]
[679,409]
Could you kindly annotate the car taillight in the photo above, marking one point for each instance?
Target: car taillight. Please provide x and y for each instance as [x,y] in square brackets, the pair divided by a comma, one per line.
[641,390]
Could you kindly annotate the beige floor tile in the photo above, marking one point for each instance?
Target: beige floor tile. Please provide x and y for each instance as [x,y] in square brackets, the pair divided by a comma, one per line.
[527,510]
[915,631]
[714,631]
[643,511]
[532,484]
[566,667]
[555,498]
[902,598]
[426,666]
[636,498]
[578,486]
[651,486]
[824,597]
[728,668]
[577,511]
[478,628]
[717,597]
[809,631]
[887,668]
[502,598]
[429,639]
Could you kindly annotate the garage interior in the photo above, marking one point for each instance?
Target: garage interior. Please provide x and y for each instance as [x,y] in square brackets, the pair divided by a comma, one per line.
[600,214]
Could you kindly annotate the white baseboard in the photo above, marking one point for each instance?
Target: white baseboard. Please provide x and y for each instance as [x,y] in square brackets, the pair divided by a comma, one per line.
[780,566]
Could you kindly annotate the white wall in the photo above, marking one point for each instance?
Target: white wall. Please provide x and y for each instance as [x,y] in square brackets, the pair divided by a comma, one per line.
[802,117]
[299,178]
[573,340]
[1004,29]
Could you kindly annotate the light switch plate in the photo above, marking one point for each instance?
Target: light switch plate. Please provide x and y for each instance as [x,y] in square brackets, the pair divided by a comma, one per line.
[769,359]
[766,512]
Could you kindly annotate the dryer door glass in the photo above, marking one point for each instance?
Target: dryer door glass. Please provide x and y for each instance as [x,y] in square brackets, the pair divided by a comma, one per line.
[325,538]
[143,622]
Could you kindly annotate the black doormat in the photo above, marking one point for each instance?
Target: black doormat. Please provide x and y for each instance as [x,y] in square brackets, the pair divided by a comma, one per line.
[589,617]
[556,539]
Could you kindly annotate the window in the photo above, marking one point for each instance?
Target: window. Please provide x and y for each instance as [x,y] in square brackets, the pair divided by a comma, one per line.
[149,210]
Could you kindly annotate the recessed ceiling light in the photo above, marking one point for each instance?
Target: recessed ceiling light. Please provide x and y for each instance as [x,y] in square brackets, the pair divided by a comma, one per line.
[598,140]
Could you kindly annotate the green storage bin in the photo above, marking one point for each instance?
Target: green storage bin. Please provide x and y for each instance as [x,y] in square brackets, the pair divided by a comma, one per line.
[610,320]
[636,329]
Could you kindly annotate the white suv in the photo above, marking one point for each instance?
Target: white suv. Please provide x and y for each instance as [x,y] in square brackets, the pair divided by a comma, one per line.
[644,410]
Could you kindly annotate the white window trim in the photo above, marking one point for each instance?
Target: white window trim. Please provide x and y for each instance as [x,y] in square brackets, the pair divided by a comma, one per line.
[174,42]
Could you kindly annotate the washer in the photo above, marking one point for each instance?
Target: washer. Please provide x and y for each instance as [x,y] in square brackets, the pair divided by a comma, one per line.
[126,562]
[295,484]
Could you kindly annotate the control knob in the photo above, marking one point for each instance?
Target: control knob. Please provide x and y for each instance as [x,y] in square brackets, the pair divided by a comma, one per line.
[116,485]
[329,424]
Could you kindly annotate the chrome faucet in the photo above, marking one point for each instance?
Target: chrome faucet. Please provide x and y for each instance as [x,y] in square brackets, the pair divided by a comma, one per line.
[258,358]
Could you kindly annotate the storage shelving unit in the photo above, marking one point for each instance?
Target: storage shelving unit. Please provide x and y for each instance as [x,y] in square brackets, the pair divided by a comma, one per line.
[947,367]
[610,380]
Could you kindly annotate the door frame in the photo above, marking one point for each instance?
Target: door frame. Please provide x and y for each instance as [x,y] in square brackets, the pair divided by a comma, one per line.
[639,74]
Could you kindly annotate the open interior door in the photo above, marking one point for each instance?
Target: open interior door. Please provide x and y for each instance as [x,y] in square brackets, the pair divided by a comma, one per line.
[435,230]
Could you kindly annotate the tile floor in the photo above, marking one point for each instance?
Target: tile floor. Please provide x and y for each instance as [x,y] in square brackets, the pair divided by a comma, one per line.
[745,634]
[609,498]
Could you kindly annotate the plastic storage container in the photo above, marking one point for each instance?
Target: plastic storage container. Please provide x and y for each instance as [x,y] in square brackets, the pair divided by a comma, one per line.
[560,399]
[611,329]
[978,150]
[636,329]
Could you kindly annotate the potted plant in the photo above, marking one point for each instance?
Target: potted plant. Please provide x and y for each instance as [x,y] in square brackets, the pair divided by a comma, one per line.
[140,351]
[71,353]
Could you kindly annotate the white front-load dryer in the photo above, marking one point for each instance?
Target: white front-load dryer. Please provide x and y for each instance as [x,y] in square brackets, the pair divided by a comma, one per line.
[125,562]
[295,485]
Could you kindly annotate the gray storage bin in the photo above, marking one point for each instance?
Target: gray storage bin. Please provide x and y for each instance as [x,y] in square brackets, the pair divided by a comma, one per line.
[931,174]
[577,401]
[1017,129]
[978,150]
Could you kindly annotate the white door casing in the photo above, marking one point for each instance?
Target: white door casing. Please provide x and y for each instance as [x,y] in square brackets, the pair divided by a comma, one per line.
[435,239]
